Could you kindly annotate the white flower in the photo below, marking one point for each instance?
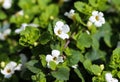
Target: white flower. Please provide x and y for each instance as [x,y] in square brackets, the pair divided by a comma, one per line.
[10,68]
[61,30]
[7,4]
[4,31]
[55,56]
[109,78]
[97,18]
[70,14]
[23,26]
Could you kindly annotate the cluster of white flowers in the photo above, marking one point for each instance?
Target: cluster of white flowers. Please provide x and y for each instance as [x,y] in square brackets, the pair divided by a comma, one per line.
[6,4]
[4,31]
[54,56]
[61,30]
[23,26]
[70,14]
[109,78]
[97,18]
[10,69]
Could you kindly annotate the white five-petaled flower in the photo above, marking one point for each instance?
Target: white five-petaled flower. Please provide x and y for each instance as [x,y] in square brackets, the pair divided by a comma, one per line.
[55,57]
[10,69]
[109,78]
[70,14]
[97,18]
[23,26]
[61,30]
[7,4]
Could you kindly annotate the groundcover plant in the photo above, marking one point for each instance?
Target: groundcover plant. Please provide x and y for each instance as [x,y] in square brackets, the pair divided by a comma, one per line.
[59,40]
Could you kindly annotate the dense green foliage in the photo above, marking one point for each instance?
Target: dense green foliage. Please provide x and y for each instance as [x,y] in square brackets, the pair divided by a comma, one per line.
[88,54]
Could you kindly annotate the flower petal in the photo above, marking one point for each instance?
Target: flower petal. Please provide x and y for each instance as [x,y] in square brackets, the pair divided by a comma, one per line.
[92,19]
[7,31]
[49,58]
[8,76]
[18,31]
[11,65]
[55,53]
[98,24]
[102,20]
[56,29]
[59,59]
[94,13]
[100,14]
[65,28]
[18,67]
[59,24]
[3,72]
[114,80]
[64,36]
[108,77]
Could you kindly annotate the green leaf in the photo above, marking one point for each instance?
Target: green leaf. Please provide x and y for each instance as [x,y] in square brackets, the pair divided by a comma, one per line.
[31,66]
[87,63]
[107,31]
[95,54]
[2,15]
[78,19]
[45,38]
[61,74]
[95,69]
[93,3]
[51,11]
[97,4]
[43,61]
[39,77]
[75,57]
[104,4]
[58,80]
[118,74]
[79,74]
[84,41]
[95,43]
[83,7]
[43,4]
[26,4]
[52,65]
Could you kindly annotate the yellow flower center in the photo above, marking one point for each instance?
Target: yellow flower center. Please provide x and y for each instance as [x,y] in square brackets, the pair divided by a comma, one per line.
[59,31]
[8,70]
[97,18]
[55,58]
